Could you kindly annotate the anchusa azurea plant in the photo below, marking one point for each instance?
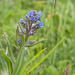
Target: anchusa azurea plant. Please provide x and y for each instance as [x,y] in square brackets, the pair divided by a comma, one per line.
[26,27]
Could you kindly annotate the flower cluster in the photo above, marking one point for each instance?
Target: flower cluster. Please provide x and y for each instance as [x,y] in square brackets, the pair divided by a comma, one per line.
[31,23]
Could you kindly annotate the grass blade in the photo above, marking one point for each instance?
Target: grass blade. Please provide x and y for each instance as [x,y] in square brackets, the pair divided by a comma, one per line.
[44,57]
[9,49]
[8,61]
[0,46]
[32,60]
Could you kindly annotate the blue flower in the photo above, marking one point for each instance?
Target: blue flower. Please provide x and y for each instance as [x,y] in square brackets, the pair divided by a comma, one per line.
[32,18]
[20,20]
[26,16]
[30,13]
[23,28]
[31,33]
[38,18]
[41,24]
[19,41]
[40,13]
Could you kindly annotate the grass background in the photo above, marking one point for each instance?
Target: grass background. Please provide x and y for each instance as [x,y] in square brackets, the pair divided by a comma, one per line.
[56,25]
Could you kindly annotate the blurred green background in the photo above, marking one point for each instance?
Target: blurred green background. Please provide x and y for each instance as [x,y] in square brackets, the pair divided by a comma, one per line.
[58,22]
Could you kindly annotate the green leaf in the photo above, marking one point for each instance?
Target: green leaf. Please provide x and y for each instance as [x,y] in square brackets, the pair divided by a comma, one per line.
[34,66]
[22,41]
[9,49]
[35,43]
[52,70]
[3,64]
[0,46]
[19,62]
[25,73]
[17,32]
[8,61]
[32,60]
